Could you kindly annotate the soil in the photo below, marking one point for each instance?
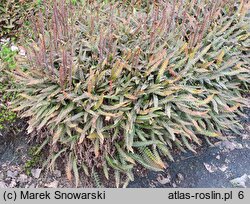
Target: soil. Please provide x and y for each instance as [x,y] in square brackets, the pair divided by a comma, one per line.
[189,170]
[13,142]
[212,166]
[15,154]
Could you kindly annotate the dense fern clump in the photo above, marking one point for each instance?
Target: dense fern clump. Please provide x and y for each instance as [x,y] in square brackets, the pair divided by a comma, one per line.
[120,84]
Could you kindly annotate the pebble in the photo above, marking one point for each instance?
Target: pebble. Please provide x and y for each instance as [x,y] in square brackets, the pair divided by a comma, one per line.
[14,48]
[163,180]
[22,52]
[4,40]
[218,157]
[53,184]
[246,136]
[233,145]
[152,185]
[23,178]
[211,168]
[3,185]
[223,168]
[57,173]
[180,177]
[12,183]
[1,176]
[36,173]
[31,185]
[11,174]
[240,182]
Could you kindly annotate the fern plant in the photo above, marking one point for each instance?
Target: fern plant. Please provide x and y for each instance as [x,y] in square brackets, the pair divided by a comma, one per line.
[118,84]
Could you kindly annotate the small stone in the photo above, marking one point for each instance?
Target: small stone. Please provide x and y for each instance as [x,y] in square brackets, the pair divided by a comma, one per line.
[36,173]
[29,179]
[229,145]
[1,176]
[174,185]
[2,185]
[7,180]
[211,168]
[247,146]
[23,178]
[32,185]
[12,183]
[22,52]
[240,182]
[4,165]
[223,168]
[180,177]
[11,174]
[5,40]
[238,146]
[217,157]
[228,174]
[246,136]
[163,180]
[57,173]
[152,185]
[14,48]
[53,184]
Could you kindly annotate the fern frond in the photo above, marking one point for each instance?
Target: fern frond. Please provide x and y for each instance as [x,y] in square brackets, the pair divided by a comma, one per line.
[96,179]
